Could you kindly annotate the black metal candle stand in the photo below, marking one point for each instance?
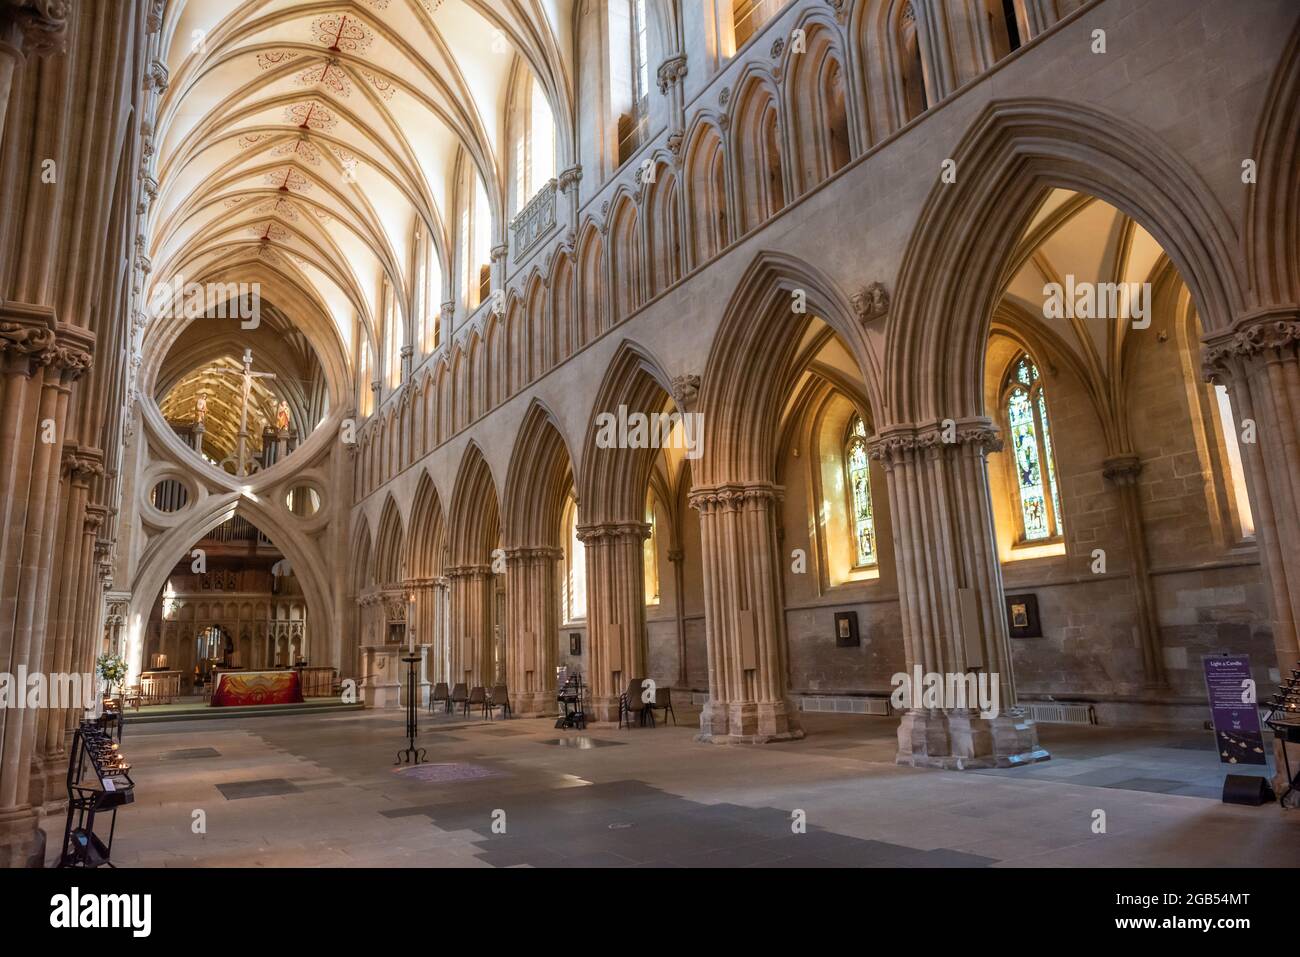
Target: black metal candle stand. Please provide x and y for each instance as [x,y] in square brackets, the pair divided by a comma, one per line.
[411,754]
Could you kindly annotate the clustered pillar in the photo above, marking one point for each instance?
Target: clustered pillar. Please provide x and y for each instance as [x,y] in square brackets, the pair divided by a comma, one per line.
[1258,361]
[41,360]
[950,592]
[532,624]
[744,615]
[470,651]
[615,610]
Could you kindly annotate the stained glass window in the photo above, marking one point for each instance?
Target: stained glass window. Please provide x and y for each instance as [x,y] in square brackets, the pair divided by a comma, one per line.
[1031,449]
[859,487]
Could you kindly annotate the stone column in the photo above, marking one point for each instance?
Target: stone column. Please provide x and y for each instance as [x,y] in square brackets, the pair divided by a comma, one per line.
[1258,360]
[471,624]
[532,628]
[39,360]
[744,615]
[198,437]
[615,610]
[677,557]
[950,590]
[447,323]
[61,617]
[1123,472]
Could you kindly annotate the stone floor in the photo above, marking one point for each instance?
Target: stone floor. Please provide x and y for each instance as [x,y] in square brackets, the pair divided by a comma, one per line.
[305,790]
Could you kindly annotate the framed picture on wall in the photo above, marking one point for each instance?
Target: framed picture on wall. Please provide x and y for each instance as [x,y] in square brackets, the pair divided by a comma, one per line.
[846,629]
[575,642]
[1022,616]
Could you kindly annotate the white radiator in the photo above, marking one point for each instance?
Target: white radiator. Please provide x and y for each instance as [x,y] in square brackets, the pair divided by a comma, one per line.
[844,704]
[1050,713]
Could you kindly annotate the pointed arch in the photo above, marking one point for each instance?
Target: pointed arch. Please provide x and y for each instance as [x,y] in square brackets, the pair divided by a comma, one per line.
[757,151]
[538,481]
[1272,230]
[817,104]
[564,337]
[473,523]
[426,541]
[1014,153]
[755,359]
[390,552]
[709,229]
[625,257]
[592,293]
[663,229]
[613,481]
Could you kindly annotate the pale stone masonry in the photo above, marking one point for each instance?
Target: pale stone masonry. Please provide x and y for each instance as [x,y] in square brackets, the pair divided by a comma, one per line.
[849,217]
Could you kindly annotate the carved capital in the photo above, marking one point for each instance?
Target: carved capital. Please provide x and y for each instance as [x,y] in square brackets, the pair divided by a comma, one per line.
[41,25]
[81,465]
[613,532]
[534,553]
[901,443]
[733,497]
[569,178]
[670,71]
[1264,335]
[870,302]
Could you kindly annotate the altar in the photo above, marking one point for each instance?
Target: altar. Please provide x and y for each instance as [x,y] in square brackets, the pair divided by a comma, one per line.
[234,688]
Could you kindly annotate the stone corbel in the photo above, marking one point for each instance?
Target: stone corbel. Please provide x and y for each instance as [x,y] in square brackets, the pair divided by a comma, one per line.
[871,302]
[1122,469]
[686,391]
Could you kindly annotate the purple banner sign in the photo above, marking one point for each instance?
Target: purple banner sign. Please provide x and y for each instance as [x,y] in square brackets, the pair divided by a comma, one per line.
[1233,709]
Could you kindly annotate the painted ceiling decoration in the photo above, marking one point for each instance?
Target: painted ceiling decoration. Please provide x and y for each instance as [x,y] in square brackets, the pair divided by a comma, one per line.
[359,112]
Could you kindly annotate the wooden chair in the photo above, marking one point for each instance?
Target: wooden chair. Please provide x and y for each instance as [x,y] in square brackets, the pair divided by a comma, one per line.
[459,696]
[131,698]
[440,693]
[477,696]
[631,704]
[663,702]
[500,698]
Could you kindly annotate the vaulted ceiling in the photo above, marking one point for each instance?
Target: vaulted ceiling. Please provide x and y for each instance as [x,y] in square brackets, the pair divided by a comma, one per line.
[315,139]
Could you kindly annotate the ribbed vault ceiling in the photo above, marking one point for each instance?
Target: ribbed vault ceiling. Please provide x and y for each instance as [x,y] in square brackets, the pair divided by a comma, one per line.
[316,137]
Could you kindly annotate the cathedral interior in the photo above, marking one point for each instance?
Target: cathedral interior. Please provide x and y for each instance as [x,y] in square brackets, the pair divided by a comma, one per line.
[884,410]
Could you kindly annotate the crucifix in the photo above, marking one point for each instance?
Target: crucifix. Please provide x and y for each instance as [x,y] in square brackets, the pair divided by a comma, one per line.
[247,375]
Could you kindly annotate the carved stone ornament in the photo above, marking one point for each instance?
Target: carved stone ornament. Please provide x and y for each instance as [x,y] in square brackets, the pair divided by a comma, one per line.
[670,71]
[42,24]
[778,47]
[871,302]
[734,498]
[569,178]
[724,96]
[841,8]
[1250,340]
[686,391]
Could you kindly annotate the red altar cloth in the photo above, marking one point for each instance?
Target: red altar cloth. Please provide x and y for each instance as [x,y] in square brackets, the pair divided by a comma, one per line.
[256,687]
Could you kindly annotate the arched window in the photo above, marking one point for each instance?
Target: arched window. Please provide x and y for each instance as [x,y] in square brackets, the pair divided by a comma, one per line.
[575,566]
[365,397]
[650,553]
[392,335]
[857,482]
[534,141]
[1024,403]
